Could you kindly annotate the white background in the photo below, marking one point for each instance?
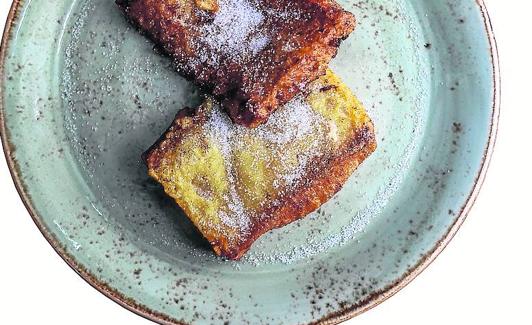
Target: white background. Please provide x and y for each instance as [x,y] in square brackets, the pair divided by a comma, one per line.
[483,277]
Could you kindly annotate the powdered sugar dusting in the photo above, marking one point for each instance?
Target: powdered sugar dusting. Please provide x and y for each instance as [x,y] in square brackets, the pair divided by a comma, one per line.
[287,245]
[295,122]
[240,30]
[235,32]
[219,127]
[349,232]
[232,25]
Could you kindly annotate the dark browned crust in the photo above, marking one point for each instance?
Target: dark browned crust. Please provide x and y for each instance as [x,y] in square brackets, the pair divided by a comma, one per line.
[252,91]
[171,137]
[321,182]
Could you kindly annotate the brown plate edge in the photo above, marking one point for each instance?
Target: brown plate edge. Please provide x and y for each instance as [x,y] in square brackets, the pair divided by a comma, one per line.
[379,297]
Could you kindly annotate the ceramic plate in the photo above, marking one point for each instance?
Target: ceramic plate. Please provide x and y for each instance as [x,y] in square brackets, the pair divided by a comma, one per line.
[83,95]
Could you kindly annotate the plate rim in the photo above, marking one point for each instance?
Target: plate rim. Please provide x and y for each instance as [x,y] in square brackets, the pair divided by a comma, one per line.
[332,318]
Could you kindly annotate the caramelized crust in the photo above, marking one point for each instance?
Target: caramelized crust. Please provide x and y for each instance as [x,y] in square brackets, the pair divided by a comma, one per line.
[237,187]
[252,55]
[318,189]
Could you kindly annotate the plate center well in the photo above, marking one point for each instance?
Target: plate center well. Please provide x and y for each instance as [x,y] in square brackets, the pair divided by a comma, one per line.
[120,95]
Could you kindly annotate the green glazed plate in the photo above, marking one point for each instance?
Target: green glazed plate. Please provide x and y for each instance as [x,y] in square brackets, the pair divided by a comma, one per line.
[83,95]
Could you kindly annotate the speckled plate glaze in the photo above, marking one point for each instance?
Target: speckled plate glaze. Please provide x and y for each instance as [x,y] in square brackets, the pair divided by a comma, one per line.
[83,95]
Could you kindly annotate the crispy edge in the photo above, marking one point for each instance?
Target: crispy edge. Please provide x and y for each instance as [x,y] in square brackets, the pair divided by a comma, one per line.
[306,198]
[185,119]
[251,107]
[302,67]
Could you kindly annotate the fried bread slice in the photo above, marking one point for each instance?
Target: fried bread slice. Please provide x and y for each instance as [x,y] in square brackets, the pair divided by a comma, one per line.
[237,183]
[252,55]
